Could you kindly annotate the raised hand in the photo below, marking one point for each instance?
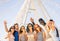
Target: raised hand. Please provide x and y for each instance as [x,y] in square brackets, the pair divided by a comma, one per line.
[5,22]
[31,19]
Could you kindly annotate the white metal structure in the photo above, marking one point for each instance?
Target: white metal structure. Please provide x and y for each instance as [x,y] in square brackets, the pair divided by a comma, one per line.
[31,6]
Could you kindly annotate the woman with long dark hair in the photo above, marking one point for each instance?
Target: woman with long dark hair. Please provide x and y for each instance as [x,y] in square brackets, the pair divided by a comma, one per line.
[30,33]
[16,30]
[22,34]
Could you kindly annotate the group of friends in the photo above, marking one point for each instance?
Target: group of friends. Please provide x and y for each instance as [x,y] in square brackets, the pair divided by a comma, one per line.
[44,31]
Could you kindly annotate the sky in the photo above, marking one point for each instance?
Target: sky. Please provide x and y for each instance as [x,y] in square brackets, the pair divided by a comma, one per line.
[10,8]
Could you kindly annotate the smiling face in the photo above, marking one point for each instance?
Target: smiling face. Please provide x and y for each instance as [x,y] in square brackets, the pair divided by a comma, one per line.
[16,26]
[53,25]
[30,27]
[23,28]
[11,29]
[38,29]
[49,23]
[35,26]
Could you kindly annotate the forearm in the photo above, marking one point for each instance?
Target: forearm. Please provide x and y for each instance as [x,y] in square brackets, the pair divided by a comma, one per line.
[44,39]
[33,23]
[44,36]
[6,29]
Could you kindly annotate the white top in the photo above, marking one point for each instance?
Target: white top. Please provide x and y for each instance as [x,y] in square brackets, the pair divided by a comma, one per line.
[53,34]
[30,37]
[11,38]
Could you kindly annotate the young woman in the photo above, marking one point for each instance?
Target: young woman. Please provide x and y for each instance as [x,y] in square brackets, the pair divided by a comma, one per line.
[16,30]
[40,35]
[54,31]
[22,34]
[30,34]
[10,35]
[48,28]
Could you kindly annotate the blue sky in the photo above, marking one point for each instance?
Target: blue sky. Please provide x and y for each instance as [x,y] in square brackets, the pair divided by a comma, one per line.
[10,8]
[53,8]
[8,11]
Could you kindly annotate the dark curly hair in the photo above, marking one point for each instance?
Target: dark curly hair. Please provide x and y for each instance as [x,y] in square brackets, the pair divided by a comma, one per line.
[41,20]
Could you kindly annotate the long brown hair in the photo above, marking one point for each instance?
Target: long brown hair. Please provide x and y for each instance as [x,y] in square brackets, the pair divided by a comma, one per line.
[20,31]
[38,27]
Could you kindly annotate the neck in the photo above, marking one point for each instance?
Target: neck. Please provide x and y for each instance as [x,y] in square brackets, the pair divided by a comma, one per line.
[16,29]
[23,31]
[11,32]
[39,31]
[30,31]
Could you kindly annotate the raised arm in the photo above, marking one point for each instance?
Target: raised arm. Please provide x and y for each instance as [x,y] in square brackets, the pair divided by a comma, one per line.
[44,36]
[5,25]
[32,20]
[8,35]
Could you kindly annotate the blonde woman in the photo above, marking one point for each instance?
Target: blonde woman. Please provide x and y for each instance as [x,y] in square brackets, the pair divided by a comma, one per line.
[48,29]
